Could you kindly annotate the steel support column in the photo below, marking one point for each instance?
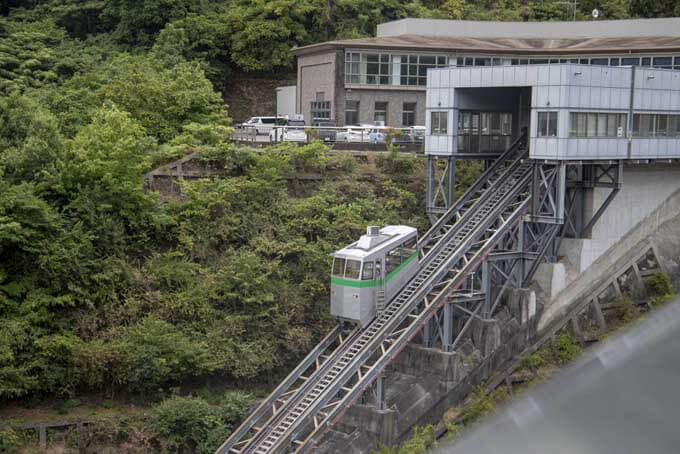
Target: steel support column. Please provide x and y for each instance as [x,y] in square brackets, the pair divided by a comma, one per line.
[441,185]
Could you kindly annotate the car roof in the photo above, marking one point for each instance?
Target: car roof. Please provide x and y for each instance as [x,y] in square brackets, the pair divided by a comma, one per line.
[392,234]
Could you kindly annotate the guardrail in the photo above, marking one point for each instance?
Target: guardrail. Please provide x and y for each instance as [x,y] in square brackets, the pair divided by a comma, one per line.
[342,138]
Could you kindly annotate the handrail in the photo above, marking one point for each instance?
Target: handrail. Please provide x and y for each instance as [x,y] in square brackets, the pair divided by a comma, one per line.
[266,404]
[472,189]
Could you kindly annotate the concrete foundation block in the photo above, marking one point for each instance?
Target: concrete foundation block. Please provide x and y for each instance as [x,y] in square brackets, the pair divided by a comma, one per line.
[421,361]
[551,278]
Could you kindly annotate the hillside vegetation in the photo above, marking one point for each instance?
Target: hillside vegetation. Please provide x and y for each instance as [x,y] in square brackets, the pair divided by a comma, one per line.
[104,288]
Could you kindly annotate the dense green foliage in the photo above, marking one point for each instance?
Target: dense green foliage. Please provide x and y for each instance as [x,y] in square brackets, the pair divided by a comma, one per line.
[52,39]
[103,286]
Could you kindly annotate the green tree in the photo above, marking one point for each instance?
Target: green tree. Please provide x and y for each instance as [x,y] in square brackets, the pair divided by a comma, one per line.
[188,424]
[203,38]
[654,8]
[264,31]
[30,142]
[139,20]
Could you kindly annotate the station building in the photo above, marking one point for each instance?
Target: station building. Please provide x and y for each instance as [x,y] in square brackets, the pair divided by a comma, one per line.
[384,78]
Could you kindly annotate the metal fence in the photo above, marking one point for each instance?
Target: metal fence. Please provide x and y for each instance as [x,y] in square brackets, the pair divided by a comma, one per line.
[341,138]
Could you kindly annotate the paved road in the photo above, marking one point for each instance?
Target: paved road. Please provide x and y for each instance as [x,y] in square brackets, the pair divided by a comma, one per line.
[621,398]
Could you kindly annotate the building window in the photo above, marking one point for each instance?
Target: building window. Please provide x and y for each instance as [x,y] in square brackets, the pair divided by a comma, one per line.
[377,68]
[380,112]
[408,116]
[597,124]
[663,62]
[352,67]
[351,112]
[547,124]
[438,123]
[656,125]
[599,61]
[372,68]
[321,110]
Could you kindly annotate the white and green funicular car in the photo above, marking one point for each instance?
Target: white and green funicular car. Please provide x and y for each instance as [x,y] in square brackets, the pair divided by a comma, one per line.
[371,271]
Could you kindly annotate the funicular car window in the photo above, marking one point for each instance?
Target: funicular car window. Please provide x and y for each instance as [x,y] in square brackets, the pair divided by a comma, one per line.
[338,267]
[409,248]
[367,273]
[393,259]
[352,269]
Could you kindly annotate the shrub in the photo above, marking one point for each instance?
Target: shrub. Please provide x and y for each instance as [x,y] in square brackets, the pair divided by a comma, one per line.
[481,404]
[10,441]
[534,361]
[186,424]
[421,440]
[566,348]
[659,288]
[234,406]
[397,164]
[626,309]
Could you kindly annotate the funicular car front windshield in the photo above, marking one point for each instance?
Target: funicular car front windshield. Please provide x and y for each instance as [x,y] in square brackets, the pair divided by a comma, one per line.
[352,269]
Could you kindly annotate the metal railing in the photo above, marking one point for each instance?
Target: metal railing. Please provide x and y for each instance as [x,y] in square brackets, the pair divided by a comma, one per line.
[411,138]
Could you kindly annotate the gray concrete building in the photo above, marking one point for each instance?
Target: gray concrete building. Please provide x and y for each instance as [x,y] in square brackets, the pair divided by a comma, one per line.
[361,81]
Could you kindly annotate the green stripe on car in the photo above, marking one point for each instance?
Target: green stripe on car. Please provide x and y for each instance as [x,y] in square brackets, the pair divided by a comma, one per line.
[365,284]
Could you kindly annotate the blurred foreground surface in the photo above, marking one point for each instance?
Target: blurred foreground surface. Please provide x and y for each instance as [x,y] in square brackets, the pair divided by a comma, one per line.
[621,397]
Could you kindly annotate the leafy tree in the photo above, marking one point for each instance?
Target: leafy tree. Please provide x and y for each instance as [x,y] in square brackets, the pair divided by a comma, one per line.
[654,8]
[30,142]
[27,54]
[163,100]
[185,424]
[154,353]
[263,31]
[205,39]
[139,20]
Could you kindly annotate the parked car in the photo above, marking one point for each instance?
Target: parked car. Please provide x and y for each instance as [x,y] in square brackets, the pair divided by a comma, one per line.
[416,134]
[352,134]
[326,133]
[293,131]
[262,125]
[376,135]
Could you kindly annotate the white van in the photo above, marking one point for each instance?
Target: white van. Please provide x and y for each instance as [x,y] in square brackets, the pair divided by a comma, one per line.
[262,125]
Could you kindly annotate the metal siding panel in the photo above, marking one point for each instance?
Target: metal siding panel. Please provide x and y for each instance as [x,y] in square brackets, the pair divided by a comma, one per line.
[486,77]
[433,78]
[465,77]
[675,149]
[606,98]
[675,99]
[543,75]
[554,74]
[584,97]
[564,96]
[444,98]
[532,75]
[554,95]
[476,77]
[542,94]
[594,98]
[508,75]
[497,75]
